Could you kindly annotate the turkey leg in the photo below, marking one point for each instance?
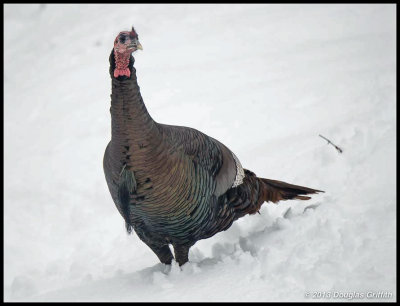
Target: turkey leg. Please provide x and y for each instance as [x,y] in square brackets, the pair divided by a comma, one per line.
[163,253]
[181,254]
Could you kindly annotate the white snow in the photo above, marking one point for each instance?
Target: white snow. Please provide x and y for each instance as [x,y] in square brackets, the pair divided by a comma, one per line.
[265,80]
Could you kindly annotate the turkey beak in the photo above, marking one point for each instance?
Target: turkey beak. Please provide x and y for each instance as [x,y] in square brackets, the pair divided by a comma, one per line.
[135,45]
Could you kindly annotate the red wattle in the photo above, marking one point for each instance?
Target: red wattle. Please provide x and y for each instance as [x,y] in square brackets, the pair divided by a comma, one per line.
[121,64]
[122,72]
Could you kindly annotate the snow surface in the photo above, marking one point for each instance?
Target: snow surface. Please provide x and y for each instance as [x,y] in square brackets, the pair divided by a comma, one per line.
[265,80]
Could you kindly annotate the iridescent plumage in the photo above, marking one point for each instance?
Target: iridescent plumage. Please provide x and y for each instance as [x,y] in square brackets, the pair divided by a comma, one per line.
[173,184]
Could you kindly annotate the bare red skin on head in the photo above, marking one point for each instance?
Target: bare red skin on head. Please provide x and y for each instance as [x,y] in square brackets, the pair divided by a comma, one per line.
[122,54]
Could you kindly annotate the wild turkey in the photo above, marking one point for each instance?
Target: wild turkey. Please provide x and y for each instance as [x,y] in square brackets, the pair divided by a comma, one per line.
[173,184]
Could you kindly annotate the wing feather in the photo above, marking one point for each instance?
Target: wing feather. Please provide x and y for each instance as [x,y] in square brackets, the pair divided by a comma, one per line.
[206,152]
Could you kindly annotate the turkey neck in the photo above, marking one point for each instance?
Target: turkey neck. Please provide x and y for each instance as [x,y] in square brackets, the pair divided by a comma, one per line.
[133,129]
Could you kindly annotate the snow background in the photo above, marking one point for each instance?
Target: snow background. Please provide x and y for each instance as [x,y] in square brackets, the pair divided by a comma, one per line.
[263,79]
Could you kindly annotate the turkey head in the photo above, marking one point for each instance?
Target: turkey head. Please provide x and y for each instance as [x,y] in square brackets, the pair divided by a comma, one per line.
[125,43]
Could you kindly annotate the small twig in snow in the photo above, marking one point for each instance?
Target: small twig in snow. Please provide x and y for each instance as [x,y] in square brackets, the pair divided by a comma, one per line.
[330,142]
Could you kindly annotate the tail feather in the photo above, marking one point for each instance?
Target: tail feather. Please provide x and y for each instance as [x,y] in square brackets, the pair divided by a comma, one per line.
[248,197]
[274,191]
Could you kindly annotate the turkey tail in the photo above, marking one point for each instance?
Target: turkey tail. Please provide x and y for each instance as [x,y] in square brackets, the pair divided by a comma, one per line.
[248,197]
[274,191]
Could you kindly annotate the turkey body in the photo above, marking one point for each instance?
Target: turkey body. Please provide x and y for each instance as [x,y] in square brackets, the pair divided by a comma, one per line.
[175,185]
